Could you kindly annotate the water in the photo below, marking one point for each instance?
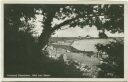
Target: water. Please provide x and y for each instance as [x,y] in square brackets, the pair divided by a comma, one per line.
[89,44]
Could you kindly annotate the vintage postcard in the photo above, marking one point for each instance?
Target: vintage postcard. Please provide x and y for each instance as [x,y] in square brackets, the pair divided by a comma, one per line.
[64,40]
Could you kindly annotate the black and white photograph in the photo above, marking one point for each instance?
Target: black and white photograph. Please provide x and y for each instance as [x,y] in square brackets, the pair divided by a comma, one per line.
[63,40]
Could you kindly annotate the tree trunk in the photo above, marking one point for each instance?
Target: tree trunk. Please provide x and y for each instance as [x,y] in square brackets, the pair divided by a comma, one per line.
[44,39]
[47,29]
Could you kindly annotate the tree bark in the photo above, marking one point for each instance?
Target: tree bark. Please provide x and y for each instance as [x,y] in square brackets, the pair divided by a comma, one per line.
[44,38]
[47,30]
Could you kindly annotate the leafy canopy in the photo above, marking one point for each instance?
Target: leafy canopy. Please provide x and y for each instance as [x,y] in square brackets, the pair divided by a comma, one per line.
[108,16]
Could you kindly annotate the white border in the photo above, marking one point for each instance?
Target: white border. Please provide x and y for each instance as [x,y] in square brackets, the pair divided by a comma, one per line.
[126,41]
[64,2]
[1,41]
[70,2]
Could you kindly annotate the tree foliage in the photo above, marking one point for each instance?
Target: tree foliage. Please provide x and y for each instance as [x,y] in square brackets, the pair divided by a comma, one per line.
[104,17]
[113,66]
[23,53]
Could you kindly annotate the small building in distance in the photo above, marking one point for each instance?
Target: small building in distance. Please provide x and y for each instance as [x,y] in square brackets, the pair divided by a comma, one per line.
[102,34]
[88,36]
[79,37]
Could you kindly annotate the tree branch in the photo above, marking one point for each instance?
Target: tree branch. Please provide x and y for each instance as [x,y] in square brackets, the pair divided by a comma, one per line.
[64,23]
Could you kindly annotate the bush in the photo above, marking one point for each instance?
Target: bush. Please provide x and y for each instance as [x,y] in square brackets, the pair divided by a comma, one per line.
[113,65]
[22,56]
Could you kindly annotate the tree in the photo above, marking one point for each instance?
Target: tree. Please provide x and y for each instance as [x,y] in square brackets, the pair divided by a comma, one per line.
[81,15]
[21,51]
[114,63]
[112,18]
[71,15]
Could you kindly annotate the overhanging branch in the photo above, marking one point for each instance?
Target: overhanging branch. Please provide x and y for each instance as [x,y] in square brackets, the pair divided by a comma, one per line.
[64,23]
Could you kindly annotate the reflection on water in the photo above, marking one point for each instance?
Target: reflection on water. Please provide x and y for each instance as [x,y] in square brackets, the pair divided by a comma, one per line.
[89,44]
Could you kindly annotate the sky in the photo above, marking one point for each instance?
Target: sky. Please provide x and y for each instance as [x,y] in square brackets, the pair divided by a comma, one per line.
[83,32]
[77,31]
[67,31]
